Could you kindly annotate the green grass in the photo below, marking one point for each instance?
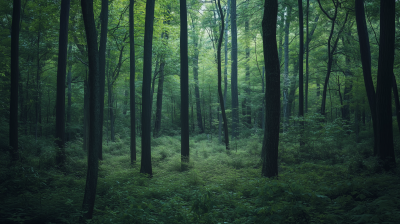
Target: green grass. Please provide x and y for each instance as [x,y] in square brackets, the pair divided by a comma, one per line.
[342,185]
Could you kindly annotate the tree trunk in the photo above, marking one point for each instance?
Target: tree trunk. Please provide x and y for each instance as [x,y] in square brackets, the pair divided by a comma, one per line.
[272,93]
[286,81]
[86,116]
[247,102]
[301,51]
[293,87]
[366,64]
[234,73]
[146,95]
[61,73]
[95,108]
[13,133]
[102,54]
[132,81]
[221,98]
[384,84]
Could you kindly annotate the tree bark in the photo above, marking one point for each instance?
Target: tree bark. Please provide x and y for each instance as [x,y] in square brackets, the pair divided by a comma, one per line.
[366,65]
[184,84]
[286,81]
[146,95]
[95,108]
[13,133]
[272,93]
[384,84]
[221,98]
[61,73]
[132,81]
[102,54]
[301,84]
[246,101]
[234,73]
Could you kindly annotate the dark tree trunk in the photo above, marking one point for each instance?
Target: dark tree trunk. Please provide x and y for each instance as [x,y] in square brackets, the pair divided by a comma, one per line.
[13,134]
[184,84]
[384,84]
[69,79]
[132,81]
[95,107]
[366,64]
[221,98]
[301,51]
[102,55]
[293,87]
[272,93]
[307,54]
[286,107]
[234,73]
[196,79]
[146,95]
[61,73]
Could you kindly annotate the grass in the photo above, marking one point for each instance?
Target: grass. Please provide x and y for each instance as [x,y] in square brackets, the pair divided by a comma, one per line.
[315,185]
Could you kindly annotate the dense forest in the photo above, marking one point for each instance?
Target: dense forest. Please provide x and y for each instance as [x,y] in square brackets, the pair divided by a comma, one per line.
[199,111]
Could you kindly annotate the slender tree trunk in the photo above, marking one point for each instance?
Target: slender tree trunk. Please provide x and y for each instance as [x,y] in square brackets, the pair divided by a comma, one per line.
[234,73]
[102,55]
[184,84]
[366,64]
[61,73]
[384,84]
[221,98]
[146,96]
[301,84]
[132,81]
[286,109]
[272,93]
[95,108]
[246,101]
[13,133]
[307,54]
[347,88]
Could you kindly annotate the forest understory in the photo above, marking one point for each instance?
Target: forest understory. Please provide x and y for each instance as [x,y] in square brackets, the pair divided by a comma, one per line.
[332,179]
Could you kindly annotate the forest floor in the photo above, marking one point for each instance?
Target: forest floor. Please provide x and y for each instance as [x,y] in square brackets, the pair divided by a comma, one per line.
[326,182]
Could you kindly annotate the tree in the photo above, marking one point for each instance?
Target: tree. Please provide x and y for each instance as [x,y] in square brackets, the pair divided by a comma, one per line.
[272,93]
[221,98]
[331,48]
[384,85]
[196,78]
[301,51]
[184,84]
[132,80]
[102,58]
[286,81]
[61,73]
[365,53]
[13,134]
[95,107]
[234,73]
[146,95]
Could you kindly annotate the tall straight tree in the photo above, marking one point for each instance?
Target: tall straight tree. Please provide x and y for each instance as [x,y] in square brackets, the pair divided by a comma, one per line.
[234,73]
[272,93]
[384,84]
[196,78]
[365,53]
[145,166]
[102,57]
[286,81]
[221,98]
[301,51]
[14,80]
[96,98]
[184,84]
[61,73]
[307,54]
[132,80]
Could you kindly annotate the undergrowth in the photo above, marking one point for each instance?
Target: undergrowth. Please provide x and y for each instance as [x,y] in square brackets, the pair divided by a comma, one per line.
[325,182]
